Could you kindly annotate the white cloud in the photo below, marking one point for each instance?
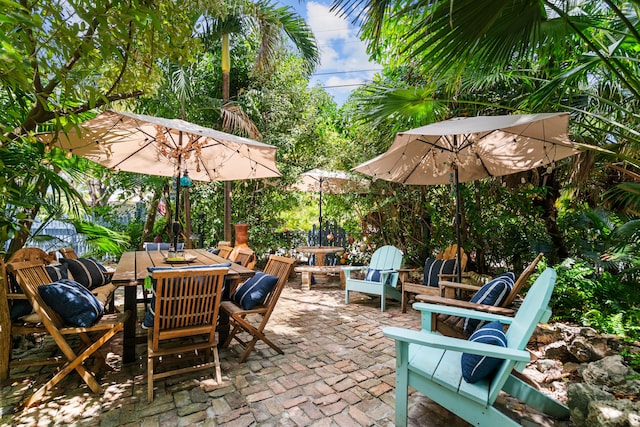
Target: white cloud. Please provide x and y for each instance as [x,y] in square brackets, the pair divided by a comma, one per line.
[340,49]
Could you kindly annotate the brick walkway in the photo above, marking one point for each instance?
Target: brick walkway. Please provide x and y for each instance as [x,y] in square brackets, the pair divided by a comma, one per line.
[337,370]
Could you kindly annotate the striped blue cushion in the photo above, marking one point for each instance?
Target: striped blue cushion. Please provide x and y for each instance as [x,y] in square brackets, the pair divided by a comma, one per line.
[373,275]
[476,367]
[493,293]
[254,291]
[72,301]
[434,267]
[87,271]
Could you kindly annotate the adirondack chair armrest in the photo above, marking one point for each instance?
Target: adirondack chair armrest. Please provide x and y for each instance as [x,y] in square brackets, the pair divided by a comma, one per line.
[347,270]
[430,339]
[432,299]
[428,309]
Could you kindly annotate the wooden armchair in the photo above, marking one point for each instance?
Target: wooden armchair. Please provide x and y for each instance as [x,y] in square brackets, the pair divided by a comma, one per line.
[452,325]
[185,308]
[30,276]
[240,318]
[431,363]
[381,277]
[410,288]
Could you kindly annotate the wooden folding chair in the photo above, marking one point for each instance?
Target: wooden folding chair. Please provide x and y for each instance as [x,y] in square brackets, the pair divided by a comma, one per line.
[245,257]
[225,251]
[185,308]
[68,253]
[30,276]
[279,267]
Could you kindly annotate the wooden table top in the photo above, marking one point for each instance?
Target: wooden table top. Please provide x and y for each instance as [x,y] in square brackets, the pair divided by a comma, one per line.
[132,266]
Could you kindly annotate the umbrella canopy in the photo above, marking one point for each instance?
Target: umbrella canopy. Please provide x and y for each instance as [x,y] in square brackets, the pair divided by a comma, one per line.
[465,149]
[157,146]
[165,147]
[331,182]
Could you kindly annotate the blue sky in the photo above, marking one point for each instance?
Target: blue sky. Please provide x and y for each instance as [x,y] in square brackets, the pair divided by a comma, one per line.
[344,63]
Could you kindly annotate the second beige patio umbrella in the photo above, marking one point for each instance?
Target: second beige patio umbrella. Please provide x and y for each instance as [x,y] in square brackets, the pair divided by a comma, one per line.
[331,182]
[167,147]
[468,148]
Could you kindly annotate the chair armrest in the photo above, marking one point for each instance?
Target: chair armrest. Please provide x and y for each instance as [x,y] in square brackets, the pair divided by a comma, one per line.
[429,339]
[457,285]
[428,309]
[347,270]
[450,302]
[403,274]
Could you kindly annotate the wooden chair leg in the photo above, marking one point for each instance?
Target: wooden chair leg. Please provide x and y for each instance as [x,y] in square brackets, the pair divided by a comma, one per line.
[75,362]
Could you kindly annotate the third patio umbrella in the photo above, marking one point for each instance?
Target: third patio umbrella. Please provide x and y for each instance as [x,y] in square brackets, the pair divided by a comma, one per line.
[168,147]
[469,148]
[331,182]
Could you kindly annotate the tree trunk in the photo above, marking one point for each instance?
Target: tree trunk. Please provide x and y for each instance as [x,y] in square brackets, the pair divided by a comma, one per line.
[151,218]
[551,215]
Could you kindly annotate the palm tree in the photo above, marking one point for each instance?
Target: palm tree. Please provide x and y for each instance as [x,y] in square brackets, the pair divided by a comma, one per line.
[273,25]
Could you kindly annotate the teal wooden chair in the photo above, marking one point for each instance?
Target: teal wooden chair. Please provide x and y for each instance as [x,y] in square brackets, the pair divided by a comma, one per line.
[381,276]
[431,363]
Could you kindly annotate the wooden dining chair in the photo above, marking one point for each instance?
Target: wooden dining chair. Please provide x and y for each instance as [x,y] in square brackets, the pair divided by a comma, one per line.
[225,251]
[68,253]
[242,316]
[32,276]
[245,257]
[185,316]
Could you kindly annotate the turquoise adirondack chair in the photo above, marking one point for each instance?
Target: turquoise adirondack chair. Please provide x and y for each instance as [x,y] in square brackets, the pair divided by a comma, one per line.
[431,363]
[381,277]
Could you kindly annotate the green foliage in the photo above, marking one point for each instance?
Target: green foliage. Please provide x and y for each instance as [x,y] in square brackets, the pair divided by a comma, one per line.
[596,298]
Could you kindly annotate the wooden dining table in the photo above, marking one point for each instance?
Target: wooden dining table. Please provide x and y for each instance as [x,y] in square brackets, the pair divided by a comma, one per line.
[132,270]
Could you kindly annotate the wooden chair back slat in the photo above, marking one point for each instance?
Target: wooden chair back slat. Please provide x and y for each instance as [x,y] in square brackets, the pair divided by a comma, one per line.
[68,253]
[29,276]
[225,251]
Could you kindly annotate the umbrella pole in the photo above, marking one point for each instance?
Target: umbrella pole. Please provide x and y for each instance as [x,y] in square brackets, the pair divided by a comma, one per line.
[320,218]
[176,222]
[458,242]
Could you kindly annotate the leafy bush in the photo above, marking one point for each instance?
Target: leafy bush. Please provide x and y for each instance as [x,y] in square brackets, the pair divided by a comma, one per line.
[595,298]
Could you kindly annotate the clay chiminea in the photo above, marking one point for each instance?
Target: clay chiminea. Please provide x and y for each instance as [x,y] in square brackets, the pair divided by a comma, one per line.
[241,240]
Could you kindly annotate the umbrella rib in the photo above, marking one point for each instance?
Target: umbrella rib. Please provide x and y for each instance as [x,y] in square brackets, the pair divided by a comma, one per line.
[150,141]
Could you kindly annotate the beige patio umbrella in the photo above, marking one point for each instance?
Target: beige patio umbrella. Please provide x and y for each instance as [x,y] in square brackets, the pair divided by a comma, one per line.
[468,148]
[331,182]
[167,147]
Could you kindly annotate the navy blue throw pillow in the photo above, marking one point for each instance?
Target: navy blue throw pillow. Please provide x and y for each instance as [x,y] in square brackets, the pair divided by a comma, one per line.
[508,275]
[57,272]
[86,271]
[72,301]
[254,291]
[373,275]
[493,293]
[435,267]
[476,367]
[149,316]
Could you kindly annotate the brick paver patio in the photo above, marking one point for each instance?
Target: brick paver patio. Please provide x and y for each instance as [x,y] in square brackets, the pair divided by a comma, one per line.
[337,370]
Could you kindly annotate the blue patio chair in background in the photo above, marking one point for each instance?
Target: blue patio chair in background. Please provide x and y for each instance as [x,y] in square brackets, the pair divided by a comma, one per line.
[380,278]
